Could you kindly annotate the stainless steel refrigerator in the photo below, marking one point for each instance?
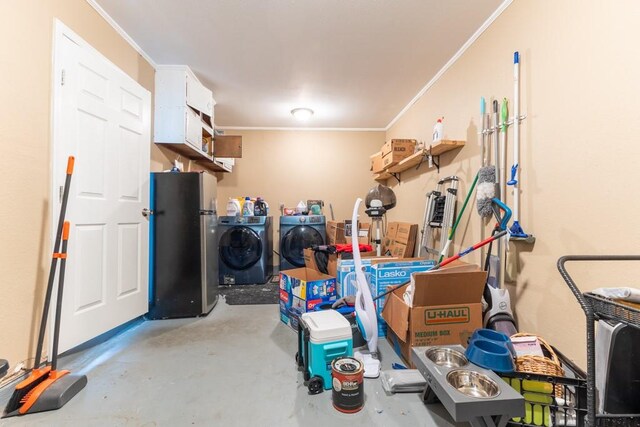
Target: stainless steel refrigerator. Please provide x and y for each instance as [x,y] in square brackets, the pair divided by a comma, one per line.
[183,244]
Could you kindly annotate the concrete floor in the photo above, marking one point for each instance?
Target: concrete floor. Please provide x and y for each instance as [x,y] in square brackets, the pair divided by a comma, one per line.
[234,367]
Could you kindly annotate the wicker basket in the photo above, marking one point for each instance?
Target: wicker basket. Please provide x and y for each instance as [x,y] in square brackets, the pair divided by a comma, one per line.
[539,364]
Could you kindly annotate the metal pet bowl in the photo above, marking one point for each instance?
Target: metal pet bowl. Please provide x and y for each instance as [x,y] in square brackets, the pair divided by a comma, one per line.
[446,357]
[473,384]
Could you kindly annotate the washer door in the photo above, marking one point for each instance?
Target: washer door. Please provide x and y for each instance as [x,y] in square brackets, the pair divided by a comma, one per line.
[240,248]
[296,240]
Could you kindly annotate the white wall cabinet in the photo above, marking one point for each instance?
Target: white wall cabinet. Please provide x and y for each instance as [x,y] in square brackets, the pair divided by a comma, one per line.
[184,115]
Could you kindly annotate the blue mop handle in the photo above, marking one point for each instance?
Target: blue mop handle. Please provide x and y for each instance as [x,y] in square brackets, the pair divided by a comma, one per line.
[507,213]
[514,171]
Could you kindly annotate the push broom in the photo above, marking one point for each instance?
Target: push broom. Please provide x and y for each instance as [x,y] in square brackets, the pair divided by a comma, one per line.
[43,390]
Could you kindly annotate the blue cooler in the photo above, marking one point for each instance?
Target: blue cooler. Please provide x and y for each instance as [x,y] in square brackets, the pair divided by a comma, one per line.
[322,337]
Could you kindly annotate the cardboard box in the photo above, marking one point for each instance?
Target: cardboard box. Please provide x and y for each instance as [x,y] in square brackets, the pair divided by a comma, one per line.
[446,309]
[304,288]
[387,274]
[333,260]
[403,147]
[392,229]
[339,232]
[396,150]
[364,229]
[405,233]
[399,250]
[346,265]
[400,239]
[227,146]
[376,163]
[335,231]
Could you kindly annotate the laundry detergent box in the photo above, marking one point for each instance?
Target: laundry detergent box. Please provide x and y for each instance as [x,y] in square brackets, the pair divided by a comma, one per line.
[303,289]
[446,309]
[385,275]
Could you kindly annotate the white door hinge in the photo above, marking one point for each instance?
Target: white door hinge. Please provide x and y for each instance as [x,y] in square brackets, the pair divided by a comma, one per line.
[62,79]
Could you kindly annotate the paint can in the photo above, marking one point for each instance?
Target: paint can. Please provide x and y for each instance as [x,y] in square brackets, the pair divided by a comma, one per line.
[348,384]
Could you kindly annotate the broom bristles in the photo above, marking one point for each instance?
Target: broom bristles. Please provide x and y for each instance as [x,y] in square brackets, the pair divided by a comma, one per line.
[24,388]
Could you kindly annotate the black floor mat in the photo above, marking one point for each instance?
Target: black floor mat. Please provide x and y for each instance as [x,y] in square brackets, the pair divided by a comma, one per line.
[251,294]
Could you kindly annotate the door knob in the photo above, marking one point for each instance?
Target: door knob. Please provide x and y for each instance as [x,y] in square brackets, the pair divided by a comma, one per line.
[147,212]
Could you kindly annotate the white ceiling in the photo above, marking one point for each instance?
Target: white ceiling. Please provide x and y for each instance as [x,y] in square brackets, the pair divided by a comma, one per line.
[356,63]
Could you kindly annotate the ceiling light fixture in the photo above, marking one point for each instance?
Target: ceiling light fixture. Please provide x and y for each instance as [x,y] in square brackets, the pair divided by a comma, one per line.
[302,114]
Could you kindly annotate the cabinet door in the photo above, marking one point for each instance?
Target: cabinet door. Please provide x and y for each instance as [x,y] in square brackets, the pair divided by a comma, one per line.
[198,96]
[193,133]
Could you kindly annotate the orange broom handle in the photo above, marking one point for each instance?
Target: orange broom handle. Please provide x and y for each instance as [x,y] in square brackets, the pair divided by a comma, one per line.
[65,227]
[70,163]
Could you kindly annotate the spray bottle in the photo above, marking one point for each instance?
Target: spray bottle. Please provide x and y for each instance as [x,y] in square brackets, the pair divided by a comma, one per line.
[438,130]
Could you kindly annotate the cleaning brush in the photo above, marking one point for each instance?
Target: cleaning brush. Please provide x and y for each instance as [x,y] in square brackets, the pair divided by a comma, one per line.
[486,190]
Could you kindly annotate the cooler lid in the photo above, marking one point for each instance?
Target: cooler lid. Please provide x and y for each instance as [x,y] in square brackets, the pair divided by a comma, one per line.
[326,326]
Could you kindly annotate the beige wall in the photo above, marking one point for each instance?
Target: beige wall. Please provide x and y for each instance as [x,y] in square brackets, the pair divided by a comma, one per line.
[580,147]
[25,87]
[289,166]
[580,144]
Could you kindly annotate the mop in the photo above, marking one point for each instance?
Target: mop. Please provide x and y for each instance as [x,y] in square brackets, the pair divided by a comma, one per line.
[516,231]
[366,315]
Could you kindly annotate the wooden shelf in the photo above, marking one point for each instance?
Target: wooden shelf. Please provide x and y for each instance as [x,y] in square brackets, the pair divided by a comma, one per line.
[200,157]
[187,151]
[417,158]
[212,166]
[382,176]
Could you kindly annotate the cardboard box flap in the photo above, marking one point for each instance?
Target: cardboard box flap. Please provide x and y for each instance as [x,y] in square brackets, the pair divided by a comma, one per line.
[312,274]
[448,287]
[396,314]
[457,267]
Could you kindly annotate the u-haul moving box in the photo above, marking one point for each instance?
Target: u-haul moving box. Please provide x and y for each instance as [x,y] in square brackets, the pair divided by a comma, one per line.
[446,309]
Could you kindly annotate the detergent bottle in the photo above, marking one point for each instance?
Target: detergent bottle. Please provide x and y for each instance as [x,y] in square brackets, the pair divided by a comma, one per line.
[247,208]
[260,208]
[438,130]
[233,207]
[301,208]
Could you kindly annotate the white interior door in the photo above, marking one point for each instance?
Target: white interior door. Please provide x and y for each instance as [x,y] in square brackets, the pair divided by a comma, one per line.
[102,117]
